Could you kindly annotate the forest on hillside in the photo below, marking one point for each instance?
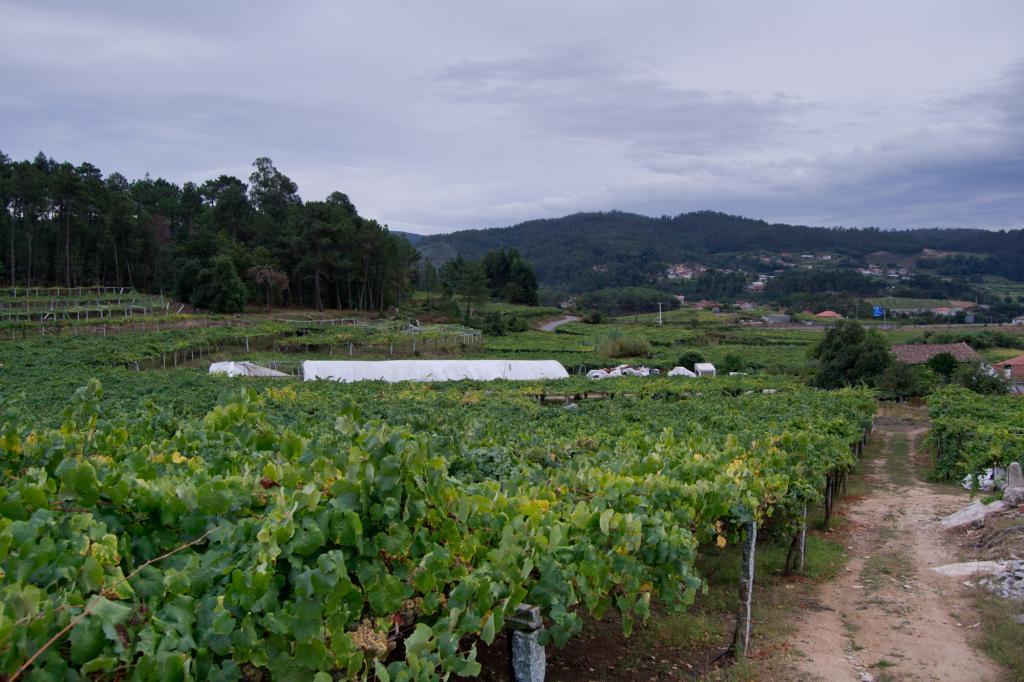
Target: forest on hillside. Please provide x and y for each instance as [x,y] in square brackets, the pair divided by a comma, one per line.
[628,249]
[211,243]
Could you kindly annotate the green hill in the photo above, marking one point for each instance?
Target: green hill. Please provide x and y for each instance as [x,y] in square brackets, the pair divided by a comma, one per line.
[626,246]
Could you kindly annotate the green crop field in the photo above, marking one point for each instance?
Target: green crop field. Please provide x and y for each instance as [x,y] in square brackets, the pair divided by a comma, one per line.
[160,521]
[171,522]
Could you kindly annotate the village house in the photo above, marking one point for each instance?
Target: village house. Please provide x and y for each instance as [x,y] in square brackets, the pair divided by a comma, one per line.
[1012,369]
[919,353]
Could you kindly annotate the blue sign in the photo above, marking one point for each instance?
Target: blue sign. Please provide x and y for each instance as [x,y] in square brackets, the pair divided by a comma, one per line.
[877,311]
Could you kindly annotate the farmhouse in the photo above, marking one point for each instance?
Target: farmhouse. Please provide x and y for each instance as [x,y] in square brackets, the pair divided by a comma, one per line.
[919,353]
[1012,369]
[829,315]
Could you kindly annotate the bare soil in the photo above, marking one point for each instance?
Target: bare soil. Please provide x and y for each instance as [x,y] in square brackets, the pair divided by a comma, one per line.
[888,614]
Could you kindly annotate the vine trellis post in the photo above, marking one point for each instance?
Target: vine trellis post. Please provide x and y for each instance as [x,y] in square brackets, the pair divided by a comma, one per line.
[741,637]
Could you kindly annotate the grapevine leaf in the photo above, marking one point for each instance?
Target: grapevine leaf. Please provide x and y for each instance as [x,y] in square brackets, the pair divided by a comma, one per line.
[419,641]
[92,574]
[487,632]
[385,596]
[87,641]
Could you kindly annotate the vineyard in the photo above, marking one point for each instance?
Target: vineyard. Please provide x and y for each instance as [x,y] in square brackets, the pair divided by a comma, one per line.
[323,531]
[971,432]
[64,307]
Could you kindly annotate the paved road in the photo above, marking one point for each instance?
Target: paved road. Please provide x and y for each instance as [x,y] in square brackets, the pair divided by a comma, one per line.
[555,324]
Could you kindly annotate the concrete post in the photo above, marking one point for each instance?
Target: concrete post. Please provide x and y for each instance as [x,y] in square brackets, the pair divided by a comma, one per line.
[526,654]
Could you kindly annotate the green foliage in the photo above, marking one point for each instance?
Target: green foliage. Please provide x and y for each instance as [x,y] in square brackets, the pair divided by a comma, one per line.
[631,249]
[623,300]
[718,284]
[78,228]
[509,277]
[690,358]
[980,378]
[900,381]
[219,288]
[326,545]
[944,364]
[732,363]
[493,323]
[821,280]
[618,345]
[971,431]
[849,355]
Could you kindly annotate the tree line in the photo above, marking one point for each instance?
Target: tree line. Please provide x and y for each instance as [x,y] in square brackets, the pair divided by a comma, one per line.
[216,244]
[501,274]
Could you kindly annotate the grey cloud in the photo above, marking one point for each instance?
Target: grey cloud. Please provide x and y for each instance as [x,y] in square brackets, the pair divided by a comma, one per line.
[462,114]
[586,93]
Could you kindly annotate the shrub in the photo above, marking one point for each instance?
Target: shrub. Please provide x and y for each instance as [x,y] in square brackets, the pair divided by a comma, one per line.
[944,364]
[980,379]
[616,345]
[690,358]
[849,355]
[731,363]
[517,323]
[900,381]
[492,324]
[219,288]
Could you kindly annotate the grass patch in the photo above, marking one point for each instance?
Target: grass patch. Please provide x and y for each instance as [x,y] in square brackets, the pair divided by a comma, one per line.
[898,465]
[886,568]
[618,345]
[1002,638]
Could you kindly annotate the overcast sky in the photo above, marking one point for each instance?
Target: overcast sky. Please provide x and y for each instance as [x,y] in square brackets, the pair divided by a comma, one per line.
[436,116]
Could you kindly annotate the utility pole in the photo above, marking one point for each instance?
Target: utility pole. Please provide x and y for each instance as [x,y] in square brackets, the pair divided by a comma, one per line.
[659,313]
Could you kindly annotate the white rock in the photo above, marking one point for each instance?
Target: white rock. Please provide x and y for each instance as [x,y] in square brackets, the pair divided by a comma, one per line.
[1014,493]
[970,568]
[972,513]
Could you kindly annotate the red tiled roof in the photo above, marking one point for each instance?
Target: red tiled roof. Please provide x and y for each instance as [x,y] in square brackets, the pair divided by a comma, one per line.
[1016,362]
[916,353]
[829,313]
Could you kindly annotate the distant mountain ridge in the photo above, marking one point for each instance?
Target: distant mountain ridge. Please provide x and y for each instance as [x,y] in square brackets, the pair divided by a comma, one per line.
[564,251]
[410,237]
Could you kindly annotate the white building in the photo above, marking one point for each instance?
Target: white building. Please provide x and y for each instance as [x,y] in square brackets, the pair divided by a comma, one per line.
[705,369]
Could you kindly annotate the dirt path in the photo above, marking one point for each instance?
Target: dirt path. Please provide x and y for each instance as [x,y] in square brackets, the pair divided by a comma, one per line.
[888,615]
[555,324]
